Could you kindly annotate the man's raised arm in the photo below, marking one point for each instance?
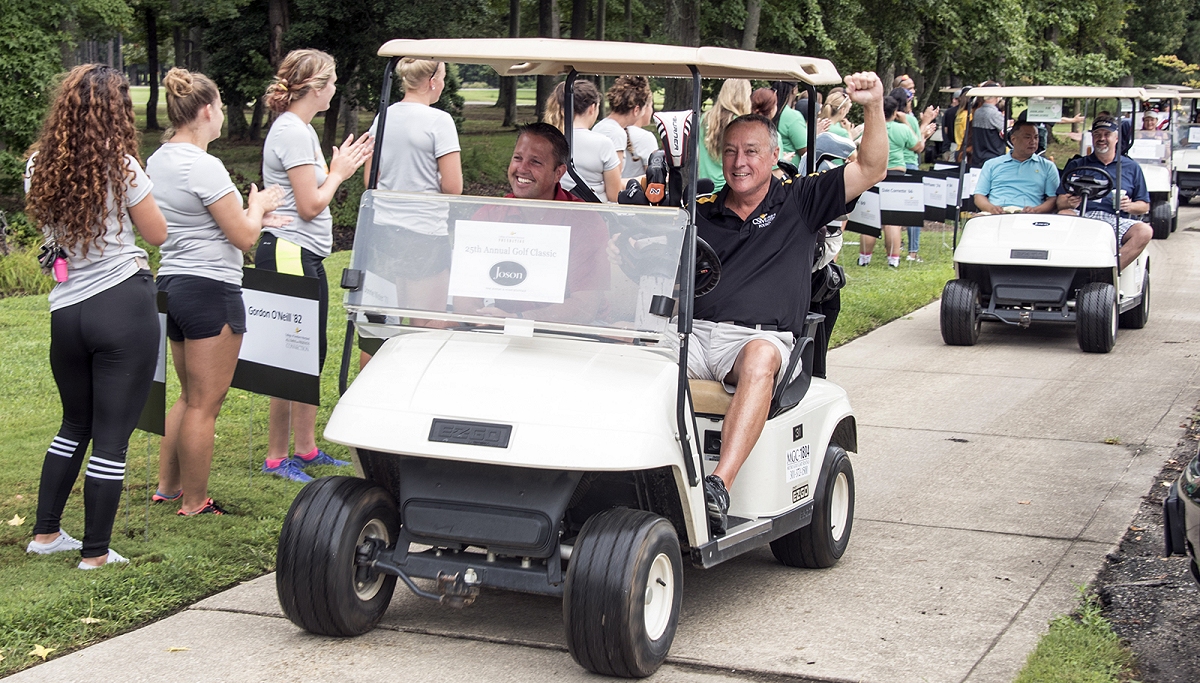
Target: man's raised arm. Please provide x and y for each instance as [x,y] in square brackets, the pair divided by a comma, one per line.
[870,166]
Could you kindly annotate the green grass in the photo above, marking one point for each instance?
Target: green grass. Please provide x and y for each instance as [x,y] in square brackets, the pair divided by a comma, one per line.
[21,274]
[173,564]
[1080,648]
[525,96]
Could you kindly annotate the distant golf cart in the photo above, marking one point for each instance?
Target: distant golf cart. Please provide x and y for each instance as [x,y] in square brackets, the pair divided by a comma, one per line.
[1152,150]
[521,444]
[1185,157]
[1019,268]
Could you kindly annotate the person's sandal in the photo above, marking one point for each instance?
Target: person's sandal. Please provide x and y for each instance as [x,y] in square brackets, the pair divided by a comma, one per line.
[209,508]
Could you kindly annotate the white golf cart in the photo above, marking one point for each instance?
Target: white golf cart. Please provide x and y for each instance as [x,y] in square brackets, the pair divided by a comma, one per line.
[512,435]
[1152,150]
[1185,157]
[1018,268]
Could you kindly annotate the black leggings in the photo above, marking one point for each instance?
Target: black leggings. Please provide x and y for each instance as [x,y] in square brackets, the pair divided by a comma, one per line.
[103,353]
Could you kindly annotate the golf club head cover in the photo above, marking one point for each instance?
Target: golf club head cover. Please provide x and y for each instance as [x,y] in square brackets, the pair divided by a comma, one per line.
[633,194]
[656,177]
[705,186]
[675,129]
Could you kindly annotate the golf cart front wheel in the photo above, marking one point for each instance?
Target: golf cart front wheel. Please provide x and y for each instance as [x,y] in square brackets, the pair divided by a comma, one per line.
[822,543]
[622,594]
[1137,317]
[960,321]
[1096,317]
[321,588]
[1160,218]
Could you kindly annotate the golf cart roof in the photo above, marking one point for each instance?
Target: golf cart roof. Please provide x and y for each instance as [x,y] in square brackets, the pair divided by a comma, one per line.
[1082,92]
[1189,95]
[552,57]
[1164,92]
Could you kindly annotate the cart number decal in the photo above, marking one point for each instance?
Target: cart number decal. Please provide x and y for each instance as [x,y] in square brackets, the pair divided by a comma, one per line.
[797,461]
[470,433]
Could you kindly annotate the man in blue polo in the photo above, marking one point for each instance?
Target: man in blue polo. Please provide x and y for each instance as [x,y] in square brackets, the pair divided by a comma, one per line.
[1133,235]
[1020,181]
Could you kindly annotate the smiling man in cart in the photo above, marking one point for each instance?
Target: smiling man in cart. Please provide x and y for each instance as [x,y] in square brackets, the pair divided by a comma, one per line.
[764,231]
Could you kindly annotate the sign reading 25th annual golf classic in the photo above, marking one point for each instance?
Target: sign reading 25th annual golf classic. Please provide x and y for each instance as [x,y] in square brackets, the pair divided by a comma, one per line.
[513,261]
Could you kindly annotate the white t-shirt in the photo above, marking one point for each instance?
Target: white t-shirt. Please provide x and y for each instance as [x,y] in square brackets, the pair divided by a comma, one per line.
[643,142]
[593,154]
[415,137]
[111,261]
[187,181]
[291,143]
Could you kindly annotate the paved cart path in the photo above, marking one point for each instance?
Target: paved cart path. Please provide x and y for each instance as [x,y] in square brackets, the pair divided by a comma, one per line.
[992,480]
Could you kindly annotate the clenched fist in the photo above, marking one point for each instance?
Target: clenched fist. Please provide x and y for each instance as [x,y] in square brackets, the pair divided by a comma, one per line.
[864,88]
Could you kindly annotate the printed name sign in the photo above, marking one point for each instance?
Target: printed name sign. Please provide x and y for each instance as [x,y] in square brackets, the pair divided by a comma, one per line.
[280,353]
[154,414]
[935,197]
[865,219]
[902,200]
[1044,110]
[511,261]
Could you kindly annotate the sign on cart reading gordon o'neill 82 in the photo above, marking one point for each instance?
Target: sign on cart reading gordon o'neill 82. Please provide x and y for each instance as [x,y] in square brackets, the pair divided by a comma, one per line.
[511,261]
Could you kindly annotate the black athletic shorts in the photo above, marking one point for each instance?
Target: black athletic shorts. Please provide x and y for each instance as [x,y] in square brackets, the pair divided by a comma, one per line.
[200,307]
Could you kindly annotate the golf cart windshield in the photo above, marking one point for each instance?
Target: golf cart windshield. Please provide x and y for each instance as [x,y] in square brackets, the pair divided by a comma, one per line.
[515,264]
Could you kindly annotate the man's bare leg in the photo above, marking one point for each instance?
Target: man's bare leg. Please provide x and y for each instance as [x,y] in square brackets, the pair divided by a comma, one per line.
[753,375]
[1136,238]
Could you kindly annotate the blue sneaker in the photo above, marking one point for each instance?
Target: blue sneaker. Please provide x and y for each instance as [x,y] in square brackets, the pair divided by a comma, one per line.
[322,458]
[288,469]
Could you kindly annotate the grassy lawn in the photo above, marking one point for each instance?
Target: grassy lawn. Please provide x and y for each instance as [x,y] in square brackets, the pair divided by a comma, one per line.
[525,96]
[1079,648]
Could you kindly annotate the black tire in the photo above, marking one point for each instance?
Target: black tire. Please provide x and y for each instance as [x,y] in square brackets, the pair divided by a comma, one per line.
[1160,218]
[1096,317]
[611,628]
[320,588]
[960,320]
[1136,318]
[822,543]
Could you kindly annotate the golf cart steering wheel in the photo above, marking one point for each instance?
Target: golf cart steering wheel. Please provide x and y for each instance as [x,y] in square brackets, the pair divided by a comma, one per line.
[708,268]
[1089,182]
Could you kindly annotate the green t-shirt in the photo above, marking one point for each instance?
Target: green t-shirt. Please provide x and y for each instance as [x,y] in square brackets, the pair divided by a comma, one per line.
[900,138]
[839,129]
[910,157]
[793,131]
[709,167]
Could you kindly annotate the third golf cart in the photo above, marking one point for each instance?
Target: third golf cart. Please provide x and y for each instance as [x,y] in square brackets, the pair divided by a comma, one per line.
[1020,268]
[522,444]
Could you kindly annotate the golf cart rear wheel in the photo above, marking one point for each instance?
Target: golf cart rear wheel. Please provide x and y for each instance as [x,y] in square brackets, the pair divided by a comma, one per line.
[320,587]
[622,594]
[1160,218]
[1136,318]
[960,320]
[822,543]
[1096,317]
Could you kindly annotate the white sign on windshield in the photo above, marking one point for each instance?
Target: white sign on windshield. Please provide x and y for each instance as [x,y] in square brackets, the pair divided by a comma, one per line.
[510,261]
[1146,149]
[1194,135]
[1044,110]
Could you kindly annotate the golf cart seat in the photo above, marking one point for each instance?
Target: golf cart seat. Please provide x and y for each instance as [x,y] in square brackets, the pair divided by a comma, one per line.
[710,398]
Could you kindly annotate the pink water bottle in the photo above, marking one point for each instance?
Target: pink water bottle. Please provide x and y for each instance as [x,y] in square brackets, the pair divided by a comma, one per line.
[60,269]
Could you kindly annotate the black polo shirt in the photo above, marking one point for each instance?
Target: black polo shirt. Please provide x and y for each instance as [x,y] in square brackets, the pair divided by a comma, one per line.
[767,260]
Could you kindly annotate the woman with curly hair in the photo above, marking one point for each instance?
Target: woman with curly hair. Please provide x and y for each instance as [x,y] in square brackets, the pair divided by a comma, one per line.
[201,272]
[86,190]
[292,159]
[631,104]
[732,101]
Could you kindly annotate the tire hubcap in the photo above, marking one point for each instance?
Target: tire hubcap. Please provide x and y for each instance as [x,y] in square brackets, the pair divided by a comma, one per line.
[660,596]
[369,588]
[839,506]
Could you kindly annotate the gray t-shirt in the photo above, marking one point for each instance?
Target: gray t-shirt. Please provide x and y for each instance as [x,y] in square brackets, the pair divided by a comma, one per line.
[416,136]
[593,154]
[187,181]
[988,116]
[293,143]
[637,144]
[116,257]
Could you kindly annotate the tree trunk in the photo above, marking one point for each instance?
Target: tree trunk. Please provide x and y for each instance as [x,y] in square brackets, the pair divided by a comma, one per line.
[601,30]
[256,119]
[152,68]
[277,20]
[629,21]
[349,116]
[195,56]
[547,28]
[329,134]
[750,32]
[65,49]
[235,117]
[579,19]
[683,28]
[508,84]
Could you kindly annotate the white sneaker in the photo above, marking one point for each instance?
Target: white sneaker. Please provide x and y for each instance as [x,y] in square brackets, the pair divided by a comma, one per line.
[864,259]
[113,558]
[894,261]
[62,544]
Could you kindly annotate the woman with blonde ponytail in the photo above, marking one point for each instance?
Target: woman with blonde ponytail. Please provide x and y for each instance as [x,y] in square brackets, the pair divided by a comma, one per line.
[208,230]
[732,101]
[292,159]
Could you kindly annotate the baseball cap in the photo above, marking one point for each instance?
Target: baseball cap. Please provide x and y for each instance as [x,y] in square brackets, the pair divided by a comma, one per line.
[1106,124]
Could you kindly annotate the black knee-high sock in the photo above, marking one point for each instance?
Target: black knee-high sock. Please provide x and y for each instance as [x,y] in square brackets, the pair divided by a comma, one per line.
[101,499]
[59,471]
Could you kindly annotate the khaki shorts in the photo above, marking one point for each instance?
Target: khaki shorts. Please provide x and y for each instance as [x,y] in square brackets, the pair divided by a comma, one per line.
[714,348]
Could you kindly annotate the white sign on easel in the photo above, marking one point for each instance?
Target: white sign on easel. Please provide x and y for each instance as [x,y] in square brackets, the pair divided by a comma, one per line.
[935,191]
[906,197]
[968,184]
[1044,110]
[512,261]
[865,218]
[281,331]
